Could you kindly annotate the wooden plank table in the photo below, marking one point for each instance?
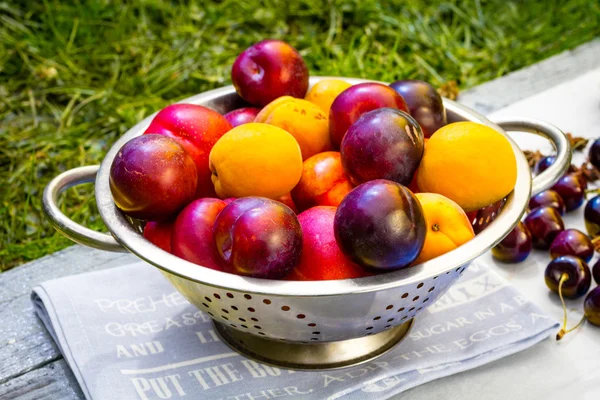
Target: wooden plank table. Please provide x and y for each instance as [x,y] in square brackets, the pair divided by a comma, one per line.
[31,366]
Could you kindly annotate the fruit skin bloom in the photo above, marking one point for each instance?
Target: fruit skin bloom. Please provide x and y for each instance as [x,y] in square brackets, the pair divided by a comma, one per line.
[255,160]
[470,163]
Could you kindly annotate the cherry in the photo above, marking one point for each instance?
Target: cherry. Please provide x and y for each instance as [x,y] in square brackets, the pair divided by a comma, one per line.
[571,188]
[591,306]
[544,223]
[574,243]
[543,164]
[591,215]
[594,153]
[596,272]
[570,273]
[548,198]
[569,276]
[515,247]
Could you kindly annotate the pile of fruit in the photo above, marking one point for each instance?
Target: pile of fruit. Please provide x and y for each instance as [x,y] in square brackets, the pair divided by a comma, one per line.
[339,181]
[568,273]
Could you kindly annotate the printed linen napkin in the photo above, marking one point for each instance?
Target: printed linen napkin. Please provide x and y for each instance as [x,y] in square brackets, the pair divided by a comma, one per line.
[128,334]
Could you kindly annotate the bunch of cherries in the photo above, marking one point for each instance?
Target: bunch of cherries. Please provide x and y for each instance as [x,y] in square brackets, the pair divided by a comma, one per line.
[568,274]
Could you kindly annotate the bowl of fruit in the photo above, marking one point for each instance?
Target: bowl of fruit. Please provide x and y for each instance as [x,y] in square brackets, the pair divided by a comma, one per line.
[312,218]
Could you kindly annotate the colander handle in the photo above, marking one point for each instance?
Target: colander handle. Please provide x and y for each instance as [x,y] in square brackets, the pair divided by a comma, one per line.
[65,225]
[559,140]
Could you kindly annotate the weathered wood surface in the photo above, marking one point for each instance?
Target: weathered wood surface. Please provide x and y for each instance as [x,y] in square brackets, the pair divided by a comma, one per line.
[24,342]
[50,382]
[31,366]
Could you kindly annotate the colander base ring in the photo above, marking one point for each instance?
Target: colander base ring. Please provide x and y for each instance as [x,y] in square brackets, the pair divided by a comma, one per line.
[313,356]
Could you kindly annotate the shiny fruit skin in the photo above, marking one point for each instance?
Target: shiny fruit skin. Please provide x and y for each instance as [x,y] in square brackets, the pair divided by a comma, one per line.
[324,92]
[571,189]
[197,129]
[353,102]
[159,233]
[321,257]
[152,177]
[544,223]
[383,144]
[574,243]
[424,103]
[305,121]
[578,271]
[591,306]
[380,225]
[596,272]
[192,234]
[594,153]
[515,247]
[258,237]
[323,183]
[267,70]
[591,215]
[447,225]
[255,159]
[548,198]
[470,163]
[241,116]
[543,164]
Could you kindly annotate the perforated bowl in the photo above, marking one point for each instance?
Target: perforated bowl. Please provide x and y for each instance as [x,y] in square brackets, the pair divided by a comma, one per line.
[325,324]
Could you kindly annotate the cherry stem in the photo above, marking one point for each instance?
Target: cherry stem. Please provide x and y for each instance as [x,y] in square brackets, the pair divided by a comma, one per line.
[596,243]
[591,192]
[563,331]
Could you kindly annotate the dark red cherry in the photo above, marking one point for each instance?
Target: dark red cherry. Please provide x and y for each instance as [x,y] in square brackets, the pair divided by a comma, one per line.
[591,306]
[571,188]
[515,247]
[594,153]
[574,274]
[544,223]
[548,198]
[596,272]
[572,242]
[591,215]
[543,164]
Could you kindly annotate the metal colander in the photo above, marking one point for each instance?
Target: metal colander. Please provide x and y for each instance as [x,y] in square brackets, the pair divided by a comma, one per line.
[324,324]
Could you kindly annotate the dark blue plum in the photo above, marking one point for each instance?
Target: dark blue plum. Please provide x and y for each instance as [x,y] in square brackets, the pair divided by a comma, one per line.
[380,225]
[424,103]
[383,144]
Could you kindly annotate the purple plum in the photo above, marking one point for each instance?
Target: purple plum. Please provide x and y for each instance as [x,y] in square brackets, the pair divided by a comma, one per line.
[424,103]
[380,225]
[383,144]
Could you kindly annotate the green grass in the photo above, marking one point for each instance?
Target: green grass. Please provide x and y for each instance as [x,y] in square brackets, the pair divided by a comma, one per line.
[75,75]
